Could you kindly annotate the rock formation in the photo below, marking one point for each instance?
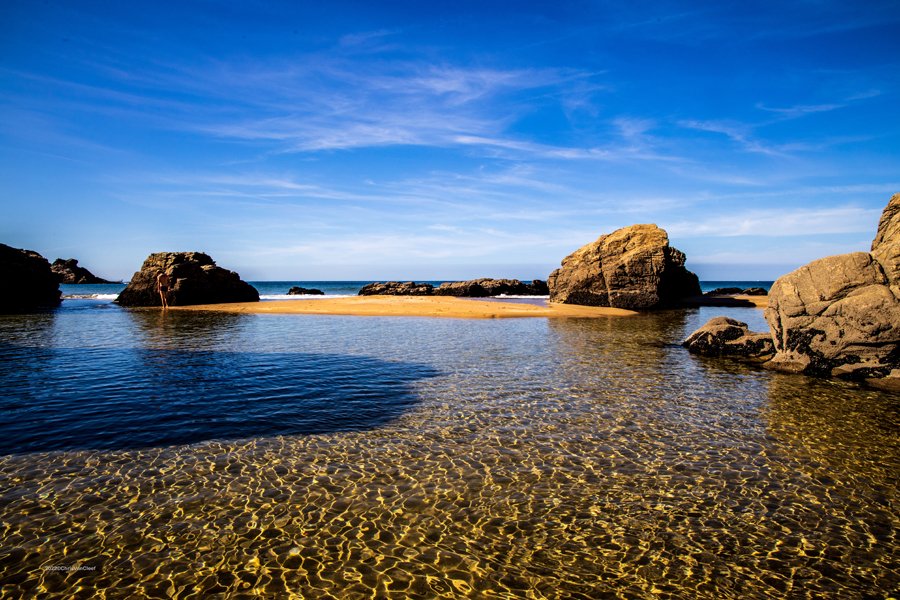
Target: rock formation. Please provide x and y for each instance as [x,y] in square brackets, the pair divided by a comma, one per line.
[840,316]
[397,288]
[733,291]
[69,271]
[632,268]
[195,280]
[482,288]
[302,291]
[28,282]
[722,336]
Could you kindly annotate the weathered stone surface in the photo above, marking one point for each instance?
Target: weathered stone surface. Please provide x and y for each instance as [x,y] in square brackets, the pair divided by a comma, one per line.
[69,271]
[481,288]
[632,268]
[397,288]
[886,245]
[722,336]
[836,316]
[28,282]
[302,291]
[195,280]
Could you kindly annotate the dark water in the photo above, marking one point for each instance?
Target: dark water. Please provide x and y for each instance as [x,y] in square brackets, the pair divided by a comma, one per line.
[197,455]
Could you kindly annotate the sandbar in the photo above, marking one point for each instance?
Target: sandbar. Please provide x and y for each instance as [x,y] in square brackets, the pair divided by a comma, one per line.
[412,306]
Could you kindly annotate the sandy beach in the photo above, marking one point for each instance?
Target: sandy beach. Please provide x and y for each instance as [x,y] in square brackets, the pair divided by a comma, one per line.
[413,306]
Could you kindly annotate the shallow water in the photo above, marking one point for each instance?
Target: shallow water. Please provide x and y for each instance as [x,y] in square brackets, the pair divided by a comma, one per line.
[201,455]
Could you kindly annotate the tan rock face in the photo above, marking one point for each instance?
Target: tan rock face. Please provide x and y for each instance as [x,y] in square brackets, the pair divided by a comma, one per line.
[840,316]
[886,245]
[722,336]
[195,279]
[632,268]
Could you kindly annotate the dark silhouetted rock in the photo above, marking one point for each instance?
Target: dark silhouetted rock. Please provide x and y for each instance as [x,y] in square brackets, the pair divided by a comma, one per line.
[28,282]
[725,291]
[632,268]
[397,288]
[481,288]
[302,291]
[69,271]
[840,316]
[195,279]
[722,336]
[755,291]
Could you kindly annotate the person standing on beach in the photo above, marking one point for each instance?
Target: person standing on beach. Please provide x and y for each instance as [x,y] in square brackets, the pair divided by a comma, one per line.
[162,286]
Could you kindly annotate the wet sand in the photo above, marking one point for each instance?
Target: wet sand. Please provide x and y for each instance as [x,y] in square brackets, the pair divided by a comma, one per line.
[412,306]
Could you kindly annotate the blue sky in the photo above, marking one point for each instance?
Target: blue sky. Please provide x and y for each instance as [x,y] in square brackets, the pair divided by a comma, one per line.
[432,140]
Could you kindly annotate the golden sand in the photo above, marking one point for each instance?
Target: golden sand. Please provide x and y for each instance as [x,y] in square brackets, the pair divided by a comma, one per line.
[757,301]
[413,306]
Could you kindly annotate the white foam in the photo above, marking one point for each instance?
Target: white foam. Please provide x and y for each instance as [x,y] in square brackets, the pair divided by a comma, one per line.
[90,297]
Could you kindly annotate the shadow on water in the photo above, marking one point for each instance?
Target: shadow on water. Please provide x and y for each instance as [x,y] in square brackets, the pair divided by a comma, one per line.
[126,398]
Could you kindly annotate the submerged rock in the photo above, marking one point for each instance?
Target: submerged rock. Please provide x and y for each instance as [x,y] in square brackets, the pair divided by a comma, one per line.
[302,291]
[28,281]
[722,336]
[397,288]
[195,279]
[69,271]
[632,268]
[485,287]
[840,316]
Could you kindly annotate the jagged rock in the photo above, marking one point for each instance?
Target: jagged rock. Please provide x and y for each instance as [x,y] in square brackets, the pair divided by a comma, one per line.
[886,245]
[632,268]
[480,288]
[397,288]
[195,279]
[28,282]
[722,336]
[69,271]
[755,291]
[840,316]
[302,291]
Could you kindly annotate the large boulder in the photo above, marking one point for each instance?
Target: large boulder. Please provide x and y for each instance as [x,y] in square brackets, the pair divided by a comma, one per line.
[886,245]
[722,336]
[632,268]
[396,288]
[28,282]
[840,316]
[195,279]
[481,288]
[69,271]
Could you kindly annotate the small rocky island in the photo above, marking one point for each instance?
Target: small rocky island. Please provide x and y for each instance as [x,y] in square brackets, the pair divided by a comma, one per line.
[838,316]
[69,271]
[474,288]
[633,268]
[28,282]
[195,279]
[302,291]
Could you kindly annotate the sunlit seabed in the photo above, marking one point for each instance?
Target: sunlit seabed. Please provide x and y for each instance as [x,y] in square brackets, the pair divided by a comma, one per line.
[189,455]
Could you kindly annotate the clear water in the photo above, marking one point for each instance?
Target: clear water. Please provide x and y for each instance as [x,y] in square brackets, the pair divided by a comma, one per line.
[195,455]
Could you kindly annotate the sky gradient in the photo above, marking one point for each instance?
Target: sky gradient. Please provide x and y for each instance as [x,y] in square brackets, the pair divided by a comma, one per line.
[391,140]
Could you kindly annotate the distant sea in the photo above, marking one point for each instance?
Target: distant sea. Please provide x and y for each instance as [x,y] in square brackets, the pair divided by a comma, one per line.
[277,290]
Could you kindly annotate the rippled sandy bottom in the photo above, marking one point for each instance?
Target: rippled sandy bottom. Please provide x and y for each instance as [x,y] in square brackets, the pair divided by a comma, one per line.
[534,478]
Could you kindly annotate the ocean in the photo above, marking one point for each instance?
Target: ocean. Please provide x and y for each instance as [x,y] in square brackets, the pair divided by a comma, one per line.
[191,454]
[278,290]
